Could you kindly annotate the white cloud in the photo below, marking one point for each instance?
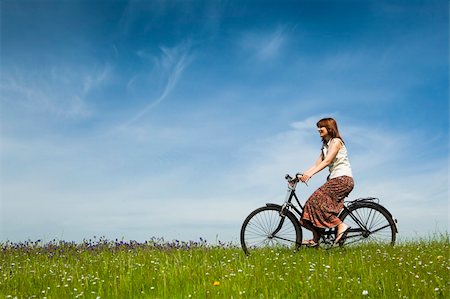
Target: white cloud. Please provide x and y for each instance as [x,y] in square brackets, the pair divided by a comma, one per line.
[58,91]
[265,45]
[169,67]
[307,124]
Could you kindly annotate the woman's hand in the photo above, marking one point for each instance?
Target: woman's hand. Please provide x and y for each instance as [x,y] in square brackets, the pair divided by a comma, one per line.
[304,178]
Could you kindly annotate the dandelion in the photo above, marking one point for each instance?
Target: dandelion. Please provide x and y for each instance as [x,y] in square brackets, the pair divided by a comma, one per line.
[365,292]
[216,283]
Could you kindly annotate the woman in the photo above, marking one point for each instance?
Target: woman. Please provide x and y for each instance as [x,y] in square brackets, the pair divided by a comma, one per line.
[323,206]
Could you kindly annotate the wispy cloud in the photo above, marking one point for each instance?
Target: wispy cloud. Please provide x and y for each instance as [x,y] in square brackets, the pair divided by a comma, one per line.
[93,80]
[169,67]
[265,45]
[60,91]
[306,124]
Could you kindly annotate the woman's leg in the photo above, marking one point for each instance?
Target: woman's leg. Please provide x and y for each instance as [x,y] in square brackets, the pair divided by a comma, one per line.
[341,231]
[308,225]
[322,208]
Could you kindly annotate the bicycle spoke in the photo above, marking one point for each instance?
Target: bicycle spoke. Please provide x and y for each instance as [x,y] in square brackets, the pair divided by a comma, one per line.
[266,228]
[369,223]
[280,238]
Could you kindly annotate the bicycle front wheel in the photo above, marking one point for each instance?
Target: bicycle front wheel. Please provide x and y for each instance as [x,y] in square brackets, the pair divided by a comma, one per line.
[369,223]
[267,228]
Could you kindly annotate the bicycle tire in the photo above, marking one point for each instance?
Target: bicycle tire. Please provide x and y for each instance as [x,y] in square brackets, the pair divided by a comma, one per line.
[257,230]
[377,227]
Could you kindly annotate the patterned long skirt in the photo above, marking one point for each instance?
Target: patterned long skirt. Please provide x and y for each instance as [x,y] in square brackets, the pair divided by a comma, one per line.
[323,206]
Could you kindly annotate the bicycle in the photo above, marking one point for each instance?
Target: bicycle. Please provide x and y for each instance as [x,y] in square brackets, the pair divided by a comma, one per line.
[278,226]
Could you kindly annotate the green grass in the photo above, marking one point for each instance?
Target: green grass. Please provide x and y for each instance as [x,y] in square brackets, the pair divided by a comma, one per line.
[105,269]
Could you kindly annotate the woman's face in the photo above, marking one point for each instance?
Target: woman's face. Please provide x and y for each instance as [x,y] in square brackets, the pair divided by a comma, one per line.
[323,132]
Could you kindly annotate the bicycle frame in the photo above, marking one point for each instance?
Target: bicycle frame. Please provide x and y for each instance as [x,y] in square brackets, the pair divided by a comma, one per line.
[288,201]
[289,207]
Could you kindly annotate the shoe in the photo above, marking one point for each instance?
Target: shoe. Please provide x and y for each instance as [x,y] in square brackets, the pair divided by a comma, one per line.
[310,243]
[340,238]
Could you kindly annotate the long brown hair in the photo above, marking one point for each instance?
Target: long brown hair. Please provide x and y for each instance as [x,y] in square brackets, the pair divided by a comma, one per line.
[331,126]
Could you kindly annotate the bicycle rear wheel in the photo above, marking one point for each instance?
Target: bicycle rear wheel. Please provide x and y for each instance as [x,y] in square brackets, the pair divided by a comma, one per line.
[267,228]
[369,223]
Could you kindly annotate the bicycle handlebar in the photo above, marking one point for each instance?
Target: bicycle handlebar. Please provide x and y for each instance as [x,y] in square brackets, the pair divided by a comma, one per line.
[294,180]
[288,178]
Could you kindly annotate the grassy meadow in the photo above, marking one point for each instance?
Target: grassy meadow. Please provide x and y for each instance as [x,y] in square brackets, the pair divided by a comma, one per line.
[157,269]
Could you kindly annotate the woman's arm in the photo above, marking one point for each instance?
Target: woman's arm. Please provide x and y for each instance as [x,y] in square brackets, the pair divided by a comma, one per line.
[333,149]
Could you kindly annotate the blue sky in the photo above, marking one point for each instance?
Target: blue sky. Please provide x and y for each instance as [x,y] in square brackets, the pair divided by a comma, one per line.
[175,119]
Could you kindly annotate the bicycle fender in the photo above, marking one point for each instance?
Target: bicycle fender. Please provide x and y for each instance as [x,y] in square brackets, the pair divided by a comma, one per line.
[273,205]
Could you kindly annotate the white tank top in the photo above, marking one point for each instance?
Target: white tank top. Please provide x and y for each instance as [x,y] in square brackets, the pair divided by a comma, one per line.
[340,165]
